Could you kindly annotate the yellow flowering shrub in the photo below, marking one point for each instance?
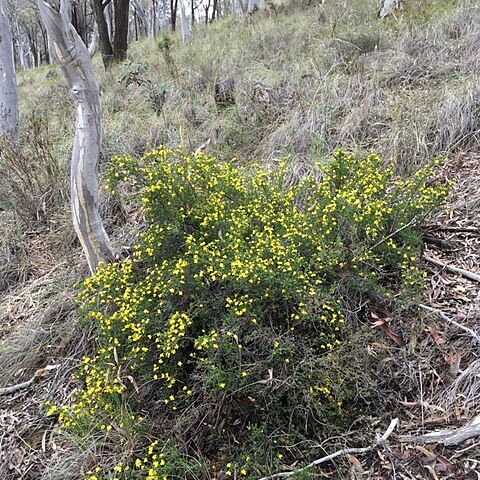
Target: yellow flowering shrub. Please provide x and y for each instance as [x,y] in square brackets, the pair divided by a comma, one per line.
[241,281]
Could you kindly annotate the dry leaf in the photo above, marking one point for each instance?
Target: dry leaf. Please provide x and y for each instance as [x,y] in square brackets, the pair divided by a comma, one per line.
[382,324]
[429,456]
[381,364]
[355,463]
[436,337]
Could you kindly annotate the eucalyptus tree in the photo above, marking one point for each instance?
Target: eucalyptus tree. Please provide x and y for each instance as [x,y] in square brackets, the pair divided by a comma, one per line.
[112,50]
[183,22]
[8,84]
[76,64]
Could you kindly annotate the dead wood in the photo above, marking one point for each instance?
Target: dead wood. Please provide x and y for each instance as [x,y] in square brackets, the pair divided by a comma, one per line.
[344,451]
[452,268]
[447,437]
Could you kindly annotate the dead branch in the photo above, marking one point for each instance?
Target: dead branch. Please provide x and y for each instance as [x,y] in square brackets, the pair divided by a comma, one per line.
[451,321]
[42,372]
[451,268]
[447,437]
[344,451]
[18,386]
[453,229]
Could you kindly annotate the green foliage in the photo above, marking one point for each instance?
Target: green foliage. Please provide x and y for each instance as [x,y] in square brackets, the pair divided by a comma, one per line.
[235,296]
[137,75]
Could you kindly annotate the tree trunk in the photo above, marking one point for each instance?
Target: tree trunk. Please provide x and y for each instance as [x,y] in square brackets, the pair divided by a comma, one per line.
[173,14]
[76,64]
[207,9]
[184,24]
[92,46]
[388,7]
[8,84]
[120,35]
[254,5]
[214,10]
[103,35]
[151,19]
[142,18]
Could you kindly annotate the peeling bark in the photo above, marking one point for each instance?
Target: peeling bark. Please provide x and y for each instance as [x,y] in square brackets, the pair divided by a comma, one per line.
[8,84]
[76,64]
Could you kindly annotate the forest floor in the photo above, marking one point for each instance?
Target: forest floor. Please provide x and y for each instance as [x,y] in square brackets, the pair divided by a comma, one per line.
[357,87]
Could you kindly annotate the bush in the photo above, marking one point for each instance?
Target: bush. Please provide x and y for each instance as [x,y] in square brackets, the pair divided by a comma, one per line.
[31,183]
[221,322]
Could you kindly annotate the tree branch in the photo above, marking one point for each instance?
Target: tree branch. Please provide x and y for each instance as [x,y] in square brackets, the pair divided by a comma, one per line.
[42,372]
[451,268]
[344,451]
[448,437]
[441,314]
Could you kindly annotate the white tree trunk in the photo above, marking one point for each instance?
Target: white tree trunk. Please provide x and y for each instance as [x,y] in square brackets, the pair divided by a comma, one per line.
[152,18]
[93,45]
[142,17]
[76,64]
[388,7]
[254,3]
[8,83]
[183,21]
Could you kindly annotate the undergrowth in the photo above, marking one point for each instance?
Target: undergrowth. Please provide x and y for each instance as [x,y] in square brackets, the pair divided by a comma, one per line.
[215,335]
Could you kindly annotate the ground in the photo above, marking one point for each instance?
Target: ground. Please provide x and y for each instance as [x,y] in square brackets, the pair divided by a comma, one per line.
[306,83]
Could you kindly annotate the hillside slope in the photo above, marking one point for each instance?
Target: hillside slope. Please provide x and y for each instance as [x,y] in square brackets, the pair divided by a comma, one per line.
[294,84]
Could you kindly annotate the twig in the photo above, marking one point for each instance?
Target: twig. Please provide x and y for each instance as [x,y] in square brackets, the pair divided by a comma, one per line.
[447,437]
[451,321]
[42,372]
[411,222]
[344,451]
[451,268]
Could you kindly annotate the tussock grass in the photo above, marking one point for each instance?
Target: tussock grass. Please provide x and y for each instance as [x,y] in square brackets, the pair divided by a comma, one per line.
[306,83]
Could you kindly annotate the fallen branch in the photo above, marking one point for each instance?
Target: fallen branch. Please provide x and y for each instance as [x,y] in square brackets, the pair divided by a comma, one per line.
[451,268]
[438,242]
[344,451]
[453,229]
[42,372]
[451,321]
[447,437]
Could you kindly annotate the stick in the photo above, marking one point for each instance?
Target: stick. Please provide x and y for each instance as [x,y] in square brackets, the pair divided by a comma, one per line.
[15,388]
[451,321]
[411,222]
[447,437]
[19,386]
[203,146]
[451,268]
[453,229]
[344,451]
